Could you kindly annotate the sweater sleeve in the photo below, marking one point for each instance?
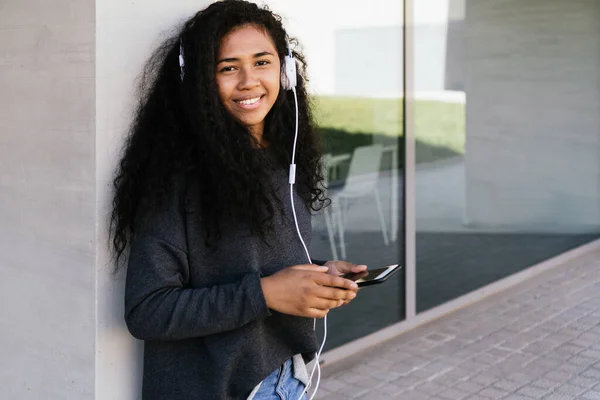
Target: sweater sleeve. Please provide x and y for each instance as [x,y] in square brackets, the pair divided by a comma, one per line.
[159,305]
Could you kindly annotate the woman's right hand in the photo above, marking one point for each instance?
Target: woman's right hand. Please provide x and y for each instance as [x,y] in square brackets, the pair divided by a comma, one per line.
[306,290]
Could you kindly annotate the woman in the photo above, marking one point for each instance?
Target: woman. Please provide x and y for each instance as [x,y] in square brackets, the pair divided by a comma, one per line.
[218,284]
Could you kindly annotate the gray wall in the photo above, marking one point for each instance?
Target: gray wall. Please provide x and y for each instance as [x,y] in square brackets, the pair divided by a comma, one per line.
[368,62]
[47,199]
[533,114]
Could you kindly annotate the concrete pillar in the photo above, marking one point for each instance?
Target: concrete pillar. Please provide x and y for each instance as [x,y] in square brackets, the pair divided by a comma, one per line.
[47,199]
[67,71]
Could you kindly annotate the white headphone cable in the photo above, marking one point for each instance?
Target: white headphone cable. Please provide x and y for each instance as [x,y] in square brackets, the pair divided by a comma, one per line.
[292,181]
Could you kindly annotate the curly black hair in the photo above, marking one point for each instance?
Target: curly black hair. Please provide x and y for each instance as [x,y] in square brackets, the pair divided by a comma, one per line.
[181,128]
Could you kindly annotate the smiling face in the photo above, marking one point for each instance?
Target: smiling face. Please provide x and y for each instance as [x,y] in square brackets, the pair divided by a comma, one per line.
[248,76]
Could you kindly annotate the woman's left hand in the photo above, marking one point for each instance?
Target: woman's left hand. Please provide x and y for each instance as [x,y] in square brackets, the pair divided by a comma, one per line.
[343,267]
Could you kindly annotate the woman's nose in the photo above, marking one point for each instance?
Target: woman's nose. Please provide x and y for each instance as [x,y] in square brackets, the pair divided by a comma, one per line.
[248,79]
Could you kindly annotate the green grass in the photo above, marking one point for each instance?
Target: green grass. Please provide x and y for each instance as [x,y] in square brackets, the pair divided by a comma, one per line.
[348,122]
[356,114]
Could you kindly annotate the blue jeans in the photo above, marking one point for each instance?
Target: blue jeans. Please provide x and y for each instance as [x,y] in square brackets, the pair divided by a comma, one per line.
[281,385]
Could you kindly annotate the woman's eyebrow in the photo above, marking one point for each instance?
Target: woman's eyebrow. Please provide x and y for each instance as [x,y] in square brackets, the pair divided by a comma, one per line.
[257,55]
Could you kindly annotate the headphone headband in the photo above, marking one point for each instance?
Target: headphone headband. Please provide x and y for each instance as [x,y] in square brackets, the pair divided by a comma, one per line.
[288,75]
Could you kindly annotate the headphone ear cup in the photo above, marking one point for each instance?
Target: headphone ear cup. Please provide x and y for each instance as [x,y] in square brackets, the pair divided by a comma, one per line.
[288,75]
[285,82]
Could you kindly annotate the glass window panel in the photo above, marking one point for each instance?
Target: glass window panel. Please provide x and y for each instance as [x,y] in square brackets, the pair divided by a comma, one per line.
[354,56]
[507,135]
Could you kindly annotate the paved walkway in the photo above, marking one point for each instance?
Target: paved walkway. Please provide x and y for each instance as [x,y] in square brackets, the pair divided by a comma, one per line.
[537,340]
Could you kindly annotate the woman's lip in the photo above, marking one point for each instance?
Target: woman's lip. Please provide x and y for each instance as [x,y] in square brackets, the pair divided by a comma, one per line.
[250,106]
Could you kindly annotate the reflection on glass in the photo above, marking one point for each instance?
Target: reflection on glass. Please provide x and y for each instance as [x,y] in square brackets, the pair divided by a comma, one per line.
[355,73]
[505,115]
[363,221]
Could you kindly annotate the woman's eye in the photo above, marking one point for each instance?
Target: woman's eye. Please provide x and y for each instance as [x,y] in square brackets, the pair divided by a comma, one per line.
[262,62]
[227,69]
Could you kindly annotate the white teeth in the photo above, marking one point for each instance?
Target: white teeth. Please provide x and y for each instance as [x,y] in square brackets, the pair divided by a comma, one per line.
[249,101]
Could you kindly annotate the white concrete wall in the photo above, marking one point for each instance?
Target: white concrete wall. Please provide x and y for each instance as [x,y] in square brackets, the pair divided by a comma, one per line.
[368,61]
[533,114]
[126,34]
[47,199]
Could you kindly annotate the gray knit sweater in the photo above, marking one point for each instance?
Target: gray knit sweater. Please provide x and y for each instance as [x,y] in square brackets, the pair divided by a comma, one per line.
[202,314]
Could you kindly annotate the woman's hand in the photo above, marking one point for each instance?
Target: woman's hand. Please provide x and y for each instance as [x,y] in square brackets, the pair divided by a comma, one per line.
[306,290]
[343,267]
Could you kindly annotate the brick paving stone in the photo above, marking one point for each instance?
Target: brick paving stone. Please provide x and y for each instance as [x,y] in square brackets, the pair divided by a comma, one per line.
[588,338]
[581,361]
[592,373]
[544,361]
[595,354]
[390,389]
[545,383]
[486,358]
[484,379]
[560,376]
[558,337]
[558,396]
[430,388]
[570,389]
[362,369]
[453,376]
[538,370]
[350,391]
[368,382]
[583,381]
[347,378]
[322,392]
[469,387]
[452,394]
[532,391]
[405,382]
[371,395]
[520,376]
[565,351]
[591,395]
[396,356]
[500,354]
[332,384]
[505,384]
[571,368]
[540,347]
[410,395]
[333,396]
[492,393]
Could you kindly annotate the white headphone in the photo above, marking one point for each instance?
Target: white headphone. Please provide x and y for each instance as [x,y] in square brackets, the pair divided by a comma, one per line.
[181,60]
[288,75]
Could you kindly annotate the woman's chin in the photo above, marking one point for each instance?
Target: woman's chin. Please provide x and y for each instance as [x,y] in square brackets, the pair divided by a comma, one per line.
[253,123]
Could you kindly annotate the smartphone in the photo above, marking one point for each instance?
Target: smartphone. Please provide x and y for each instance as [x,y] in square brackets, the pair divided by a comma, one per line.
[372,276]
